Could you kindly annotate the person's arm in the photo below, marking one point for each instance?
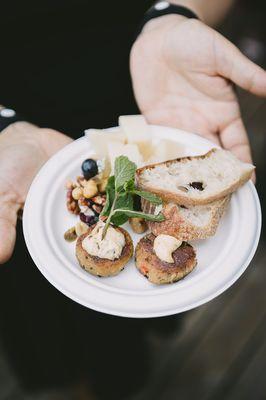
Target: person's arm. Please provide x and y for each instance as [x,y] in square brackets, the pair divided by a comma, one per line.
[24,148]
[211,12]
[183,73]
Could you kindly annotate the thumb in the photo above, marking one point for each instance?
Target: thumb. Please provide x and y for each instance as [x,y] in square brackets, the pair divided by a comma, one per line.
[233,65]
[8,220]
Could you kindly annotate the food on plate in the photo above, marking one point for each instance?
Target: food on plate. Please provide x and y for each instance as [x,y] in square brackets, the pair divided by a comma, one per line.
[89,168]
[164,246]
[120,195]
[105,248]
[155,269]
[90,189]
[137,132]
[70,235]
[133,139]
[138,225]
[86,196]
[104,255]
[99,138]
[165,149]
[187,222]
[81,228]
[178,200]
[195,180]
[129,150]
[102,185]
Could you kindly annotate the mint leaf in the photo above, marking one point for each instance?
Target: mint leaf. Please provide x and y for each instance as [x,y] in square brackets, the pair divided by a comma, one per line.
[151,197]
[120,192]
[124,171]
[110,195]
[139,214]
[129,186]
[119,218]
[125,202]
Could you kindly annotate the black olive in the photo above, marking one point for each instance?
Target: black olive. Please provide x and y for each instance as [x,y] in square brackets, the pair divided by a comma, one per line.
[89,168]
[197,185]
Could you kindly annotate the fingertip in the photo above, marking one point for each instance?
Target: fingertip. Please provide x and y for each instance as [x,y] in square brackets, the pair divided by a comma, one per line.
[242,152]
[234,65]
[7,243]
[258,84]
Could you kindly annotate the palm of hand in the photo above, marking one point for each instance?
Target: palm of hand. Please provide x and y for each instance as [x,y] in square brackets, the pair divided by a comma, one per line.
[23,150]
[19,162]
[180,79]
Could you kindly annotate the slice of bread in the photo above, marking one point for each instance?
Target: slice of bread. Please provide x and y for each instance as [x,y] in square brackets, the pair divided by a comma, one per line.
[187,223]
[195,180]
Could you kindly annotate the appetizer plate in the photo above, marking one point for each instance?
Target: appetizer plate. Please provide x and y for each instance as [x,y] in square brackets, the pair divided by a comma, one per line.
[221,259]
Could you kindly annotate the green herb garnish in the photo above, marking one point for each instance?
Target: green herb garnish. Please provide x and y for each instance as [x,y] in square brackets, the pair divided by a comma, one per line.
[120,192]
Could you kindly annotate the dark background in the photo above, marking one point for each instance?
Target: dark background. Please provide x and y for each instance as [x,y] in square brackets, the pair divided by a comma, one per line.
[64,65]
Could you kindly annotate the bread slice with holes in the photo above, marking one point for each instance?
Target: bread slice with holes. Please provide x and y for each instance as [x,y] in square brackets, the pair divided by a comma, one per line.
[195,180]
[187,222]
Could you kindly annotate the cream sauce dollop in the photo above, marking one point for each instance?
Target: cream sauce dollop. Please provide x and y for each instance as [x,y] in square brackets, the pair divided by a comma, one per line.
[110,247]
[164,246]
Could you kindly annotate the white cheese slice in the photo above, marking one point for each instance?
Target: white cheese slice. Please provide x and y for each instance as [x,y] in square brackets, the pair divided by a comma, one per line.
[136,131]
[100,139]
[164,150]
[116,149]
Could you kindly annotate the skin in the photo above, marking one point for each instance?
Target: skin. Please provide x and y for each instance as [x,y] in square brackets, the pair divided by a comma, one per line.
[24,148]
[211,12]
[183,74]
[188,71]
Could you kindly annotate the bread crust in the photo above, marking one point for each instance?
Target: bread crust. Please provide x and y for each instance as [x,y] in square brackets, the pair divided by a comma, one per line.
[184,199]
[176,225]
[161,272]
[103,267]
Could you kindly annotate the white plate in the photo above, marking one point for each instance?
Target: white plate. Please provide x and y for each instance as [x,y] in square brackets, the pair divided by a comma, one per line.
[221,259]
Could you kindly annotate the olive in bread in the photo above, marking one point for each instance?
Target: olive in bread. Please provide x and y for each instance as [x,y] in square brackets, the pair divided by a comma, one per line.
[103,267]
[158,271]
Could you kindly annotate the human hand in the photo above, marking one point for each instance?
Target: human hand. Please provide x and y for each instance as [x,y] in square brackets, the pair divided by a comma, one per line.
[183,74]
[24,148]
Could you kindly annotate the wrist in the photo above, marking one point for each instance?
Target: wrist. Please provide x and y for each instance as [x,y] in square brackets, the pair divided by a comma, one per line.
[20,132]
[194,6]
[44,141]
[20,129]
[165,21]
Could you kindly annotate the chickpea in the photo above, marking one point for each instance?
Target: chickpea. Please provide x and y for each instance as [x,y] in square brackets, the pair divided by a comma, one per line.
[90,189]
[81,228]
[102,185]
[81,181]
[138,225]
[77,193]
